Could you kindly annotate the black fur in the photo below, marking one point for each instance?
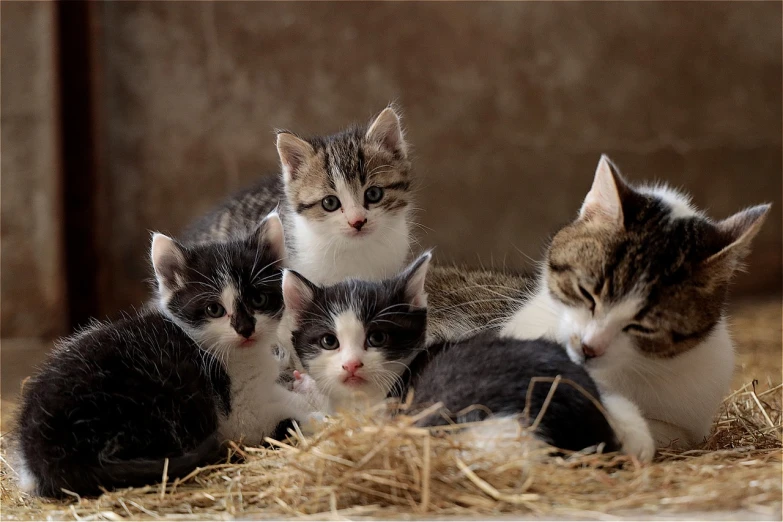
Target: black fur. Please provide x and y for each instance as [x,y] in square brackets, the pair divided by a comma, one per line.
[110,404]
[495,373]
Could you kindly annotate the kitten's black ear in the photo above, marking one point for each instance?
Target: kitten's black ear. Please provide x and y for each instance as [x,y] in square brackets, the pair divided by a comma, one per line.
[604,201]
[270,232]
[168,260]
[415,276]
[298,293]
[738,231]
[293,152]
[387,131]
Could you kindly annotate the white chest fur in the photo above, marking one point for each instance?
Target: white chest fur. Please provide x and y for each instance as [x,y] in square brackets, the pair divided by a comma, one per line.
[325,259]
[258,403]
[678,396]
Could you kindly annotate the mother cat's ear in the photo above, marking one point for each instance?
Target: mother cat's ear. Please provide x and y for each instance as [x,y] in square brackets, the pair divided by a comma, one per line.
[386,130]
[735,235]
[294,153]
[271,233]
[298,293]
[168,261]
[603,203]
[414,277]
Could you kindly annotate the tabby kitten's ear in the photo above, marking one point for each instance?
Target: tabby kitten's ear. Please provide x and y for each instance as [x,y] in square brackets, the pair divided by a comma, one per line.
[270,231]
[386,130]
[298,293]
[168,260]
[738,231]
[603,203]
[293,152]
[414,277]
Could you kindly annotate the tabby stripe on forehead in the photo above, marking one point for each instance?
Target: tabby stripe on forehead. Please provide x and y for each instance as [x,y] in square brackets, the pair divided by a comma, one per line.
[557,268]
[327,161]
[362,172]
[398,185]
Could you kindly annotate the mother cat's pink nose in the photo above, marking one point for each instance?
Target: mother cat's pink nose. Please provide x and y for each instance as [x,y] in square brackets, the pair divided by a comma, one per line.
[352,366]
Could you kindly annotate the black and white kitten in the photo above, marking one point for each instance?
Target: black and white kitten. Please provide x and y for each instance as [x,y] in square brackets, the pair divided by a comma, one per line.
[345,201]
[360,342]
[112,402]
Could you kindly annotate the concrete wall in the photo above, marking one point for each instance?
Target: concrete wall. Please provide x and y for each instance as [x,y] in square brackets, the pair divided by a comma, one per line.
[32,267]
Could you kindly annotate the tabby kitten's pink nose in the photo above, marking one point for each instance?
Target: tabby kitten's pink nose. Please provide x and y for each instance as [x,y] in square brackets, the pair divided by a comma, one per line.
[359,223]
[592,351]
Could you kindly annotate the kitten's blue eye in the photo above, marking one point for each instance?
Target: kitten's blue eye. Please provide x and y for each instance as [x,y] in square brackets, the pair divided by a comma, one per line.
[259,300]
[215,310]
[376,339]
[329,342]
[373,194]
[330,203]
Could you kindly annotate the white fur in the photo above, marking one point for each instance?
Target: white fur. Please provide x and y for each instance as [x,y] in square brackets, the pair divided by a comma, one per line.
[629,425]
[327,369]
[25,478]
[330,251]
[679,203]
[678,396]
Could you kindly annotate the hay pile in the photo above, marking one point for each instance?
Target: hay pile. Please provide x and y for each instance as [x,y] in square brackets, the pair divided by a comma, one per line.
[370,467]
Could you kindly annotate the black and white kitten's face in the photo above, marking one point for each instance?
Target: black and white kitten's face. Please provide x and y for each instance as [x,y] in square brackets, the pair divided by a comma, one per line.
[226,296]
[641,272]
[356,337]
[351,185]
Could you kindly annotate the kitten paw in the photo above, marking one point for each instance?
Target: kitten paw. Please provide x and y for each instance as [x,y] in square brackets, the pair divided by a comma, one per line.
[630,427]
[303,383]
[312,423]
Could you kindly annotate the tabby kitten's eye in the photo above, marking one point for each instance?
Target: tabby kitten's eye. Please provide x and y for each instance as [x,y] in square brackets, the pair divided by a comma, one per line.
[638,329]
[373,194]
[259,300]
[215,310]
[329,342]
[588,297]
[330,203]
[376,339]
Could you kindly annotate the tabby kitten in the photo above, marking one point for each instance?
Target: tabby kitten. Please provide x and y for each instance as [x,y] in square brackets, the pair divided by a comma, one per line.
[344,199]
[116,400]
[360,342]
[636,288]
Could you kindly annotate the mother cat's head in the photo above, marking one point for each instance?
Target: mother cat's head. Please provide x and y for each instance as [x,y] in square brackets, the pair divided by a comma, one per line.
[640,270]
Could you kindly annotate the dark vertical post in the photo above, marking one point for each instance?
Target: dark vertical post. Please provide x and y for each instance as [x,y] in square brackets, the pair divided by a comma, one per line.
[79,159]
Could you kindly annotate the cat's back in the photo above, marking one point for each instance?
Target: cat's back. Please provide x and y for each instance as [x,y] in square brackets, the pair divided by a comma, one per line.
[463,301]
[238,214]
[134,388]
[506,376]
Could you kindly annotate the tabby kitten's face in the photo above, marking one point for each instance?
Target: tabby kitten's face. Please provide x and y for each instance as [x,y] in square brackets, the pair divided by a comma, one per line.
[355,338]
[641,271]
[350,186]
[226,296]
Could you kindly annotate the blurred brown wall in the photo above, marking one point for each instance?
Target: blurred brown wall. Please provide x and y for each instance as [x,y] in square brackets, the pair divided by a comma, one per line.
[508,106]
[31,271]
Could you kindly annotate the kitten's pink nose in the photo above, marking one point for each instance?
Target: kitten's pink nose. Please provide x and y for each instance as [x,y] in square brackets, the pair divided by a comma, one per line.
[593,351]
[358,224]
[352,366]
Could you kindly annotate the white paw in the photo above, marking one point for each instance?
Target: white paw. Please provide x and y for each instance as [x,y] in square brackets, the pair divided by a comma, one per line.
[304,384]
[631,428]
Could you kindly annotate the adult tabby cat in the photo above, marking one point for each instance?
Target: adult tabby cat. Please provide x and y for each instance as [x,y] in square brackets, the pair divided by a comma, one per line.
[636,289]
